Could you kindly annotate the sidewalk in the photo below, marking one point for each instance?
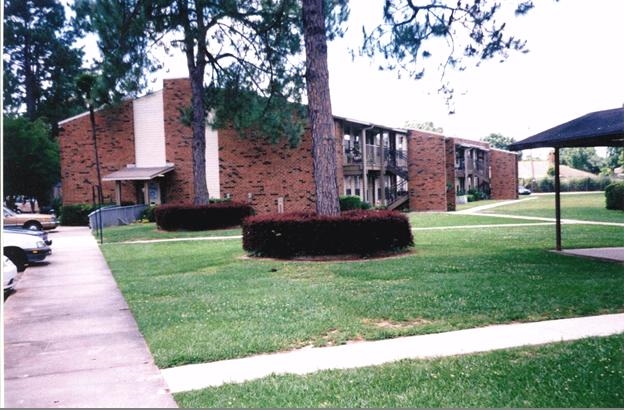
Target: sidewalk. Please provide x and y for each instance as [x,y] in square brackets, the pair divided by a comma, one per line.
[69,338]
[362,354]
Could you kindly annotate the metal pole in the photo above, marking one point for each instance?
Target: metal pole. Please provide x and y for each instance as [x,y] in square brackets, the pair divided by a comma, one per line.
[100,227]
[557,202]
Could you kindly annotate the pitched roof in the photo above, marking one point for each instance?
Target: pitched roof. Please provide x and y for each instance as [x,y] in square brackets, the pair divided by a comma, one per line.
[529,169]
[138,173]
[600,128]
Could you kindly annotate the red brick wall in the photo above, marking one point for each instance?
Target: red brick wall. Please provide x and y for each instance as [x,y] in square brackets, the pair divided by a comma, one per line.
[267,171]
[427,171]
[178,138]
[504,181]
[115,137]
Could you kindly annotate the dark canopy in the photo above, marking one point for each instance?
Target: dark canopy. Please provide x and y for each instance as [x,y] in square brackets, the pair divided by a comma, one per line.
[596,129]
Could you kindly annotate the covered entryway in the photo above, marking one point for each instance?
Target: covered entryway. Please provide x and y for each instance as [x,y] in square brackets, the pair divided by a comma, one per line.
[148,181]
[596,129]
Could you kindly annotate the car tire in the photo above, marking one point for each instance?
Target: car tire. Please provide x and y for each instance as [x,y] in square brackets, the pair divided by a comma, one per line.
[17,256]
[33,226]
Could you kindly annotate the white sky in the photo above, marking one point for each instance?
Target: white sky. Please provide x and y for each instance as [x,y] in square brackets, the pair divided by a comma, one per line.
[575,66]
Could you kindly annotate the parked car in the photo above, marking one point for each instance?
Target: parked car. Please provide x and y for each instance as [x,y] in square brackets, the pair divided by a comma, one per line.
[22,204]
[9,273]
[24,249]
[523,190]
[29,221]
[41,234]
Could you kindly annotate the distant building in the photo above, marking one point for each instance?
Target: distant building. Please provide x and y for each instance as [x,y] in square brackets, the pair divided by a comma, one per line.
[533,170]
[146,157]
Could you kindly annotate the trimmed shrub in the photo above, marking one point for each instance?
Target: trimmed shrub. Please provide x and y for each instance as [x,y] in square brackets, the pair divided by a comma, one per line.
[203,217]
[348,203]
[307,234]
[615,196]
[76,215]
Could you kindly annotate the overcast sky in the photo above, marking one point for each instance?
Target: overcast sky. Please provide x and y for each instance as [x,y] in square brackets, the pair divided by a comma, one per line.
[575,66]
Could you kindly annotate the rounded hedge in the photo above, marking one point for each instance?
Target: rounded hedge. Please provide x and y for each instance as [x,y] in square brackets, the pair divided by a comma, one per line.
[614,194]
[307,234]
[201,217]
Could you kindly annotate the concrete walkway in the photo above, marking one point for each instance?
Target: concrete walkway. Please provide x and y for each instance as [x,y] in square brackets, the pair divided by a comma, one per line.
[69,338]
[361,354]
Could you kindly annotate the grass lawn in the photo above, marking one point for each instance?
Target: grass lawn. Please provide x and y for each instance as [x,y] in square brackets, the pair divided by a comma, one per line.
[580,374]
[149,231]
[200,301]
[587,207]
[445,219]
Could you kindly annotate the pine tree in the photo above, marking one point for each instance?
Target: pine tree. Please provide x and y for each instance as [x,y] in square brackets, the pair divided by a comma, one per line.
[39,60]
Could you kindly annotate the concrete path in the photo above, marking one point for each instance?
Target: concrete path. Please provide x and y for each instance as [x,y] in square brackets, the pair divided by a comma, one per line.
[69,338]
[607,254]
[361,354]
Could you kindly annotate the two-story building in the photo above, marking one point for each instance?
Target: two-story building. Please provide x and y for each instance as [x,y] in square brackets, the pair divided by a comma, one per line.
[145,155]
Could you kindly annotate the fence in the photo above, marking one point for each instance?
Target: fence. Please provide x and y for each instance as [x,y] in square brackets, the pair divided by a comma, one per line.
[115,215]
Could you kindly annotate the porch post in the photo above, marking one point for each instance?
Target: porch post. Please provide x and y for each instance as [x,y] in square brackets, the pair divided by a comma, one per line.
[146,193]
[118,193]
[364,162]
[382,172]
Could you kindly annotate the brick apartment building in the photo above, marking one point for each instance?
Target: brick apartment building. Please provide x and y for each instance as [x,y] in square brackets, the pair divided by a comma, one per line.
[145,157]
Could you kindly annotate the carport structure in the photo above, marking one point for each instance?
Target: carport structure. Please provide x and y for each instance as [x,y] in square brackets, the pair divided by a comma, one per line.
[596,129]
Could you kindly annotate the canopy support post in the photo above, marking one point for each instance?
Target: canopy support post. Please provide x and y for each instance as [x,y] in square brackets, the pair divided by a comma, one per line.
[557,201]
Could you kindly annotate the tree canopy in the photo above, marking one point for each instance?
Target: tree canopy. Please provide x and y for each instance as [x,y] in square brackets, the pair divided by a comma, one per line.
[498,141]
[426,126]
[585,159]
[40,60]
[31,158]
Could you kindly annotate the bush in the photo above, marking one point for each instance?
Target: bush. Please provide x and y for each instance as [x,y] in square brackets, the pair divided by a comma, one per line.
[348,203]
[203,217]
[477,195]
[148,214]
[572,184]
[615,196]
[307,234]
[76,215]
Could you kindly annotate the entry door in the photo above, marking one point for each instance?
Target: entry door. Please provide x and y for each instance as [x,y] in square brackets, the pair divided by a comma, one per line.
[154,193]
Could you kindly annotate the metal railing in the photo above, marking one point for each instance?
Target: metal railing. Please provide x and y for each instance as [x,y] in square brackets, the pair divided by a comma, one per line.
[115,215]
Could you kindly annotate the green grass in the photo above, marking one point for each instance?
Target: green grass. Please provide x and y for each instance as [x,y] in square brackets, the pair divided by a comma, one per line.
[581,374]
[587,207]
[202,301]
[444,219]
[149,231]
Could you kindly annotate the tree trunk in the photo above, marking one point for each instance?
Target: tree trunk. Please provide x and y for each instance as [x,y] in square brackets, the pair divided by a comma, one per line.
[319,108]
[198,126]
[30,83]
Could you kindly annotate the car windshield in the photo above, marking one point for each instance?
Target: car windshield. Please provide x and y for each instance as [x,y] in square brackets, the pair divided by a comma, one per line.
[8,212]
